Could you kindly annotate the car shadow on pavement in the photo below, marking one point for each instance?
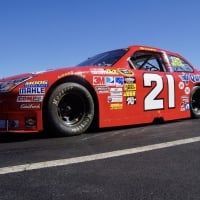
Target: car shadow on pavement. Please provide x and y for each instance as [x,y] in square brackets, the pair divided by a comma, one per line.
[13,137]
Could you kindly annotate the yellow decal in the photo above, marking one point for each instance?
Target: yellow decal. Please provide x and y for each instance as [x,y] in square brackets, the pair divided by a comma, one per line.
[111,71]
[130,93]
[116,106]
[148,49]
[130,86]
[176,62]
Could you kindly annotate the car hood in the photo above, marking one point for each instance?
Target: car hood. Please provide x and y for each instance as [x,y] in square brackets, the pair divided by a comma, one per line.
[33,74]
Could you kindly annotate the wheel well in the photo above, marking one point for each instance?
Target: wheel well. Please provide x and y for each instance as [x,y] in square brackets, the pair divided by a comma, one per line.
[74,79]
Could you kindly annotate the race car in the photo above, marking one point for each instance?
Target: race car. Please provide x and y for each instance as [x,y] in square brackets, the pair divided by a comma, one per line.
[126,86]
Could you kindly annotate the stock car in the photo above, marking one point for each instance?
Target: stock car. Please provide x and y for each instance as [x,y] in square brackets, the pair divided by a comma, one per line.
[126,86]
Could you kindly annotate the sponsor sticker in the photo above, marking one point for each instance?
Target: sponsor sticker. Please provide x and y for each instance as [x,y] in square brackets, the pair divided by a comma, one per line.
[98,80]
[131,100]
[116,91]
[30,106]
[131,93]
[114,99]
[2,124]
[110,81]
[36,84]
[31,90]
[116,106]
[102,89]
[119,80]
[30,98]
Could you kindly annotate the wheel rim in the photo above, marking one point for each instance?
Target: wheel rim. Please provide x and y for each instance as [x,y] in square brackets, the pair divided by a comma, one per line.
[196,101]
[71,109]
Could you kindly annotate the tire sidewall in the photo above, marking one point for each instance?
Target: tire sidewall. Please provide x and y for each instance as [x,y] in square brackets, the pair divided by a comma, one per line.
[56,96]
[194,114]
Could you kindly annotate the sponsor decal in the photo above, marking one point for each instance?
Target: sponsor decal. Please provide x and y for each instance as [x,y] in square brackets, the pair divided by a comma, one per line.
[36,84]
[181,85]
[31,90]
[185,98]
[131,100]
[114,99]
[119,80]
[129,80]
[102,89]
[187,90]
[71,73]
[131,93]
[98,80]
[126,72]
[13,123]
[110,81]
[130,86]
[147,49]
[116,91]
[111,71]
[9,124]
[97,71]
[190,77]
[2,123]
[176,62]
[116,106]
[30,106]
[184,106]
[30,98]
[30,122]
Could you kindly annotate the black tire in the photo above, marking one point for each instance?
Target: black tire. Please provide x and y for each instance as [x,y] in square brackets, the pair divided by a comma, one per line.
[70,109]
[195,102]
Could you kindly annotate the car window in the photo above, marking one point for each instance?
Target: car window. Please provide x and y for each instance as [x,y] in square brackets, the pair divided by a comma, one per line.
[147,61]
[179,65]
[104,59]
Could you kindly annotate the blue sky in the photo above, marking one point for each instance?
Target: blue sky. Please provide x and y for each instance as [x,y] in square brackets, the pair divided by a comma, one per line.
[41,34]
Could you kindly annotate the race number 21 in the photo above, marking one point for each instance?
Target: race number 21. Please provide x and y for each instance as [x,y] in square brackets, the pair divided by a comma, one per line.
[151,101]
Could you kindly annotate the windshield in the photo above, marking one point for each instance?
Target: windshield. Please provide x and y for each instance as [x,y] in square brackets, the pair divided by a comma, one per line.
[104,59]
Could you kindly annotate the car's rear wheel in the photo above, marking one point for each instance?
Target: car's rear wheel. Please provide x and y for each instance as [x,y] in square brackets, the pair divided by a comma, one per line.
[195,102]
[70,109]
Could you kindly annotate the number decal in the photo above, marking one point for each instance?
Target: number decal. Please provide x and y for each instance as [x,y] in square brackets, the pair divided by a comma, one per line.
[171,91]
[155,81]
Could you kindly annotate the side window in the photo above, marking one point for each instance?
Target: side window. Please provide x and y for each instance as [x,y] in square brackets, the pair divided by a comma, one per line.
[179,65]
[147,61]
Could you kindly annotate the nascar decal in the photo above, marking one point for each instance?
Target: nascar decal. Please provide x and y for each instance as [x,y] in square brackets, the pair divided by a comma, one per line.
[126,72]
[151,101]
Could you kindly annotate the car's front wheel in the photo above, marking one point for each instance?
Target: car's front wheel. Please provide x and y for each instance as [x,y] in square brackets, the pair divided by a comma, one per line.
[195,102]
[70,109]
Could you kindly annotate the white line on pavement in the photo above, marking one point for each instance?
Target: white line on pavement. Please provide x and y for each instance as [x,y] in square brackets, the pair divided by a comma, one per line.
[81,159]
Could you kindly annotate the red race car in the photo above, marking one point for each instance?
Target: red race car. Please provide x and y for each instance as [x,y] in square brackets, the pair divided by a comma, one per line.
[133,85]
